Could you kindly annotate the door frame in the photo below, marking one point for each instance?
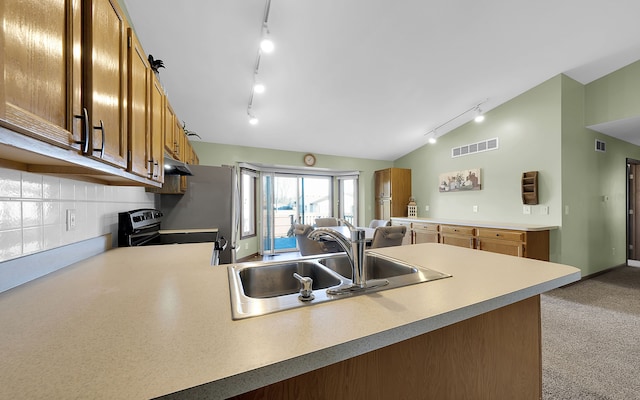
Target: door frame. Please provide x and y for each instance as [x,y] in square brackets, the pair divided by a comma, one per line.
[633,228]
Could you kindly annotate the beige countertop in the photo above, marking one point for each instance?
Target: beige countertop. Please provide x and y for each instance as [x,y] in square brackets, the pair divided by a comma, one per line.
[483,224]
[141,322]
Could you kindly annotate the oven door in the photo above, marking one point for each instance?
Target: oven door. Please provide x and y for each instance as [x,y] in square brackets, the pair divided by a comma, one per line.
[143,237]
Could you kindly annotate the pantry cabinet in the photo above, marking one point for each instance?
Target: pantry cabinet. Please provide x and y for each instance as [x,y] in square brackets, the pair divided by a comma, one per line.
[392,192]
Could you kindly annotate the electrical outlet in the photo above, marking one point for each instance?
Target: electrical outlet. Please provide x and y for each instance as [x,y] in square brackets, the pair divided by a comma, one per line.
[426,208]
[475,208]
[544,210]
[71,219]
[526,209]
[246,246]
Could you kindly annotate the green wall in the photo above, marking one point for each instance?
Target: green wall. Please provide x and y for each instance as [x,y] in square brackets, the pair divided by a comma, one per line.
[543,129]
[528,128]
[614,97]
[221,154]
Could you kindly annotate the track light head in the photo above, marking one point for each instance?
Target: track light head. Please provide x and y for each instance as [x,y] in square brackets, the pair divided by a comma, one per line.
[479,115]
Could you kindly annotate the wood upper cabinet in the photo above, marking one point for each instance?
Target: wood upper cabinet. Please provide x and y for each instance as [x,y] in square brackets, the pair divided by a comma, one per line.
[139,107]
[392,191]
[170,130]
[157,107]
[41,88]
[462,236]
[105,86]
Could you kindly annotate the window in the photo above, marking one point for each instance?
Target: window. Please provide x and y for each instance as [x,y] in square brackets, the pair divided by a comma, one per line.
[248,181]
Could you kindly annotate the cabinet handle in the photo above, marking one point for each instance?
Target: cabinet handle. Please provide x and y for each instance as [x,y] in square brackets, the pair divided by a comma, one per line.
[156,165]
[84,135]
[101,149]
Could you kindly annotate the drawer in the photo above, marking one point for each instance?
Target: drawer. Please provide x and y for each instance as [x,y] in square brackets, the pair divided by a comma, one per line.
[458,230]
[516,236]
[425,227]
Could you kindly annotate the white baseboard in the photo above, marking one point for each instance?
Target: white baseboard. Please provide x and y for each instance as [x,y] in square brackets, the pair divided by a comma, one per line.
[24,269]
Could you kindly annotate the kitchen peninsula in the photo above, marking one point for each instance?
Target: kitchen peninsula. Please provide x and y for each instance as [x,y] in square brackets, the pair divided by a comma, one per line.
[143,322]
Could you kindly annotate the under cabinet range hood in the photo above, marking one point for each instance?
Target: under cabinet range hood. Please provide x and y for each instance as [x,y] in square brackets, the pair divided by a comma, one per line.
[175,167]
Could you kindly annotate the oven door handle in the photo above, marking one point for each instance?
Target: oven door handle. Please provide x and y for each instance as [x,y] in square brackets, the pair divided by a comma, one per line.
[148,237]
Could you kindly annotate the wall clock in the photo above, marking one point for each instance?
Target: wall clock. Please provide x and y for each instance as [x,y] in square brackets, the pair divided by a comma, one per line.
[309,159]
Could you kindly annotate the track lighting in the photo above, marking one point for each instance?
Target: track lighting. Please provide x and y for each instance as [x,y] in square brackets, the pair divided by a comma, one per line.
[478,118]
[258,88]
[266,46]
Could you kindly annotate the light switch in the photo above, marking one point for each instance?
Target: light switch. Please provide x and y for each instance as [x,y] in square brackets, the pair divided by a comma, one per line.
[544,210]
[526,209]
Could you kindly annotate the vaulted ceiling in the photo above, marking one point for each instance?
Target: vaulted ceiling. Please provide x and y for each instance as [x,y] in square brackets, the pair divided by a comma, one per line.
[368,78]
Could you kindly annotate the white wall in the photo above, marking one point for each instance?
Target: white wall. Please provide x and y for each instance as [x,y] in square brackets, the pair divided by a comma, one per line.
[33,211]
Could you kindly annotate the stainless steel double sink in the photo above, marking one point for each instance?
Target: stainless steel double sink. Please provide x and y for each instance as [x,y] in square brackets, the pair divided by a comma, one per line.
[260,288]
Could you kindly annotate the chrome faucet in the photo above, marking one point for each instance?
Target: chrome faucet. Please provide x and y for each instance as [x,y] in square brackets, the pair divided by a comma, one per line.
[354,247]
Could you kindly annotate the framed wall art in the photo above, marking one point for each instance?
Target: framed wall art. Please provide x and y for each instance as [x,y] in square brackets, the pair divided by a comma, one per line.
[457,181]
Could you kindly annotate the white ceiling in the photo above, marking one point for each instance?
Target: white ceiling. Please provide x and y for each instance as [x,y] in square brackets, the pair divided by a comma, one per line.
[368,78]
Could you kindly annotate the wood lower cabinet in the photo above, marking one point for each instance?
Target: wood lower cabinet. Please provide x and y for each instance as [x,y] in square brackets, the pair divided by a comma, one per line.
[462,236]
[425,233]
[530,244]
[520,243]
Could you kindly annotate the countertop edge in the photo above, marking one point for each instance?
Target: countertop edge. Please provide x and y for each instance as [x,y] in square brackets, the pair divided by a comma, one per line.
[482,224]
[254,379]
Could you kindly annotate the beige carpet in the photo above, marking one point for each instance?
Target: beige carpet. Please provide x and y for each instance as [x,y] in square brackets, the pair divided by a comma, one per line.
[591,338]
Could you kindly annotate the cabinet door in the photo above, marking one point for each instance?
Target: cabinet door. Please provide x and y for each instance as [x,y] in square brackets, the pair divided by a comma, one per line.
[383,208]
[105,88]
[139,106]
[169,129]
[157,129]
[425,233]
[40,91]
[383,183]
[501,246]
[463,236]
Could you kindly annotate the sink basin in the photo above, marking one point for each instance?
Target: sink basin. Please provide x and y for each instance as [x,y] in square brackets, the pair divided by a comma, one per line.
[277,279]
[260,288]
[375,267]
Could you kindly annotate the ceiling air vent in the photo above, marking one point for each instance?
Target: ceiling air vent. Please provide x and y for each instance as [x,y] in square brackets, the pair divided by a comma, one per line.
[479,147]
[601,146]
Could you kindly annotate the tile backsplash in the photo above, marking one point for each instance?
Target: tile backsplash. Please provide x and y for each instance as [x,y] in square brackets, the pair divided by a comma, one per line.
[33,211]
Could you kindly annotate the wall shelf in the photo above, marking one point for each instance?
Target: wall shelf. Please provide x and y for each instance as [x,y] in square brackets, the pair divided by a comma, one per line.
[530,187]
